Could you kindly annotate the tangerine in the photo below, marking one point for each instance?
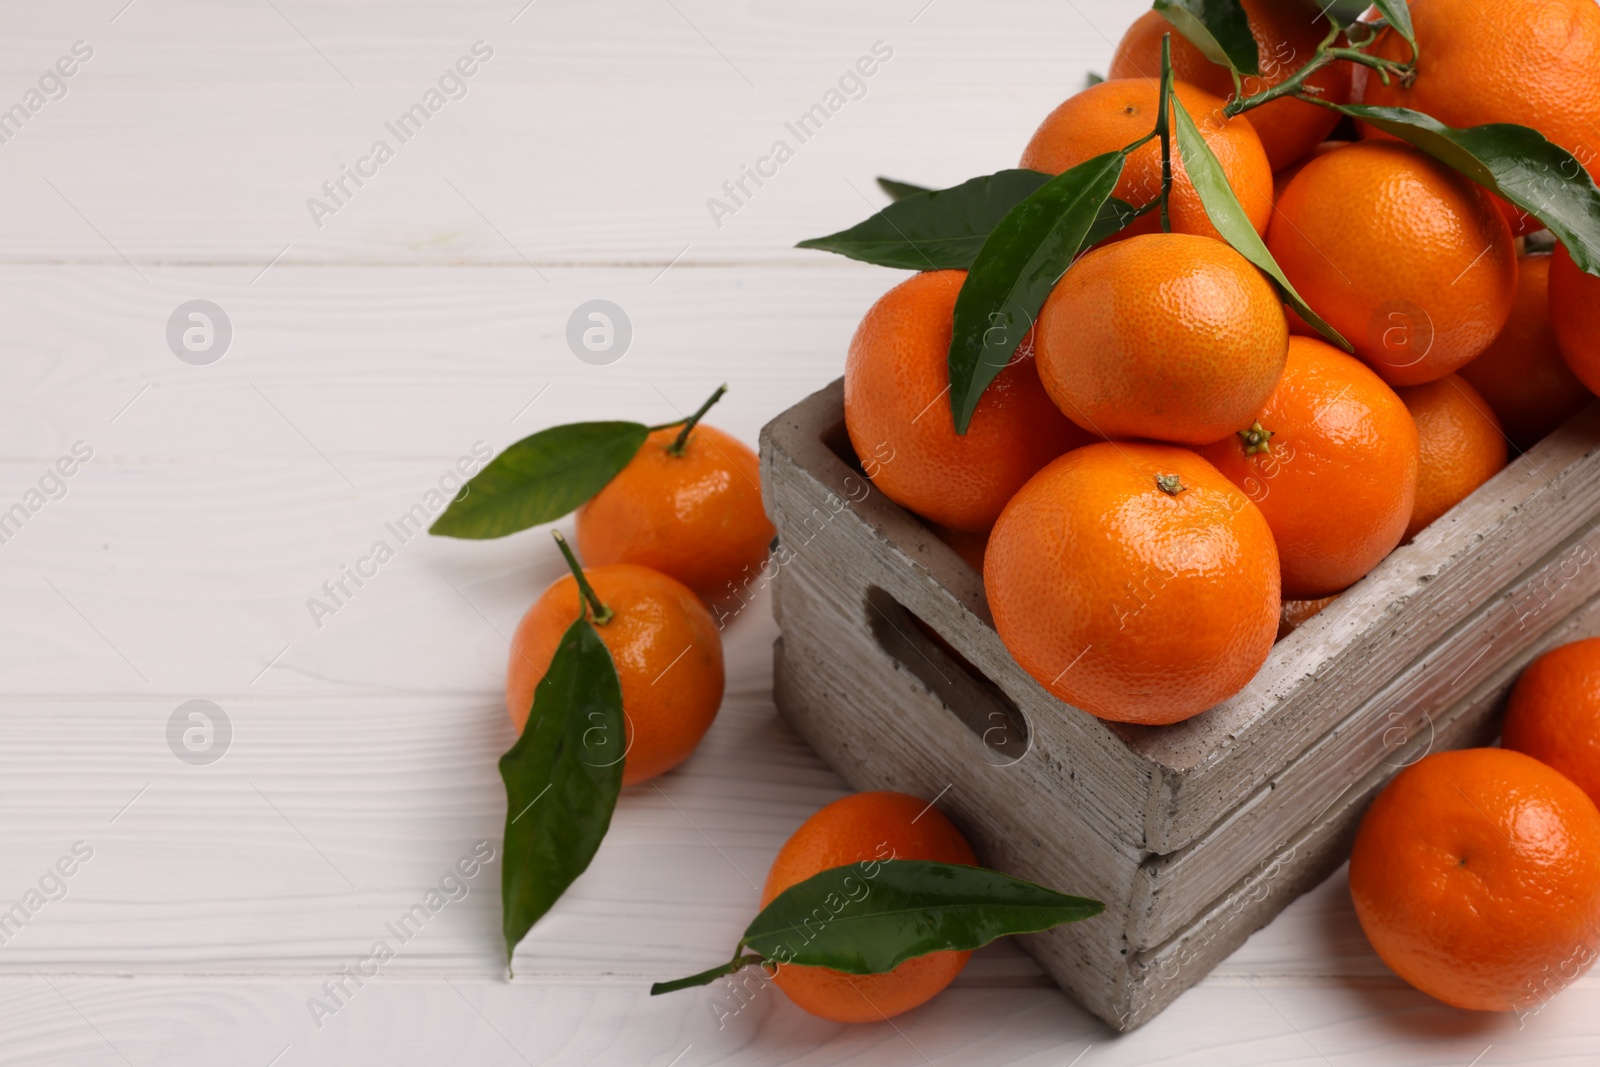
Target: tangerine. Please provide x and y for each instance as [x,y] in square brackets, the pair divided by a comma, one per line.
[867,829]
[1476,876]
[1407,259]
[664,644]
[1287,32]
[1534,64]
[1296,613]
[1134,581]
[1113,114]
[1522,375]
[687,506]
[1331,460]
[897,411]
[1554,712]
[1166,336]
[1575,316]
[1460,446]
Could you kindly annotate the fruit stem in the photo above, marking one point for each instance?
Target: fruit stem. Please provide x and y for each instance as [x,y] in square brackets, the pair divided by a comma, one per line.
[597,608]
[1256,439]
[1164,131]
[1325,53]
[1169,484]
[677,447]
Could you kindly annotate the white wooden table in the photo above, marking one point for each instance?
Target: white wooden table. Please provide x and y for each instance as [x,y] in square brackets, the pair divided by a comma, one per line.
[427,313]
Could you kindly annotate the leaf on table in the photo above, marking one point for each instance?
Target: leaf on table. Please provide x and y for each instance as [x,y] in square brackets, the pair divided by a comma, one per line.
[870,917]
[1219,28]
[541,478]
[562,779]
[1017,267]
[1223,209]
[901,190]
[1515,162]
[937,230]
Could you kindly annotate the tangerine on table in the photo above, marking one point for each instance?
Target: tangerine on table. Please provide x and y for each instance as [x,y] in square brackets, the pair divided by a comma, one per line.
[1522,375]
[897,411]
[1331,460]
[667,652]
[867,828]
[1407,259]
[1460,446]
[1134,581]
[1575,316]
[1166,336]
[1476,876]
[1113,114]
[1554,713]
[1533,64]
[1287,32]
[693,513]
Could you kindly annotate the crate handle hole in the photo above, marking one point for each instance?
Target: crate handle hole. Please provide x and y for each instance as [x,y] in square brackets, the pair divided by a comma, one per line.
[974,700]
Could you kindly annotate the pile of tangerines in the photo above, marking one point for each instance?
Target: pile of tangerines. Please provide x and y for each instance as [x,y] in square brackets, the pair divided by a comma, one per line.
[1172,457]
[1175,468]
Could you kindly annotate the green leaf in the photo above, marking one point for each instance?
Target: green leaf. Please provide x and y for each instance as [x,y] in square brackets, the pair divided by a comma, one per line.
[901,190]
[562,779]
[1219,28]
[1512,161]
[1225,213]
[870,917]
[1015,270]
[541,478]
[1397,13]
[937,230]
[1091,79]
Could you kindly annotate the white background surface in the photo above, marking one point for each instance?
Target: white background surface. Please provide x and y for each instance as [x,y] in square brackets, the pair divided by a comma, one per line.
[428,314]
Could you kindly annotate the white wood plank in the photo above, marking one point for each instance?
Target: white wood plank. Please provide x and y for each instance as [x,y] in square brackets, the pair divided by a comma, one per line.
[1241,1023]
[588,137]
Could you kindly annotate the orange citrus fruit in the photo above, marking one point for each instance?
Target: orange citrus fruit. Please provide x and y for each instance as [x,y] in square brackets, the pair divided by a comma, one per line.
[1522,375]
[1575,316]
[1476,876]
[667,652]
[1287,32]
[1113,114]
[968,544]
[897,411]
[1408,260]
[1296,613]
[1134,581]
[1554,713]
[867,829]
[1534,64]
[1166,336]
[1460,446]
[693,514]
[1331,461]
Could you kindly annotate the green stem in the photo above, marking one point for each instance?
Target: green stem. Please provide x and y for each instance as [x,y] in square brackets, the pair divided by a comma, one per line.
[738,963]
[1326,53]
[597,608]
[677,447]
[1164,131]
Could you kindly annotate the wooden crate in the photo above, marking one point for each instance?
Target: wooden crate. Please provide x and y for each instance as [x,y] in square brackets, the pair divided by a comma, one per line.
[1194,834]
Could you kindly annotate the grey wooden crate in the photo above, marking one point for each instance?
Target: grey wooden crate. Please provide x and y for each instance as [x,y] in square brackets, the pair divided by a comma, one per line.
[1178,827]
